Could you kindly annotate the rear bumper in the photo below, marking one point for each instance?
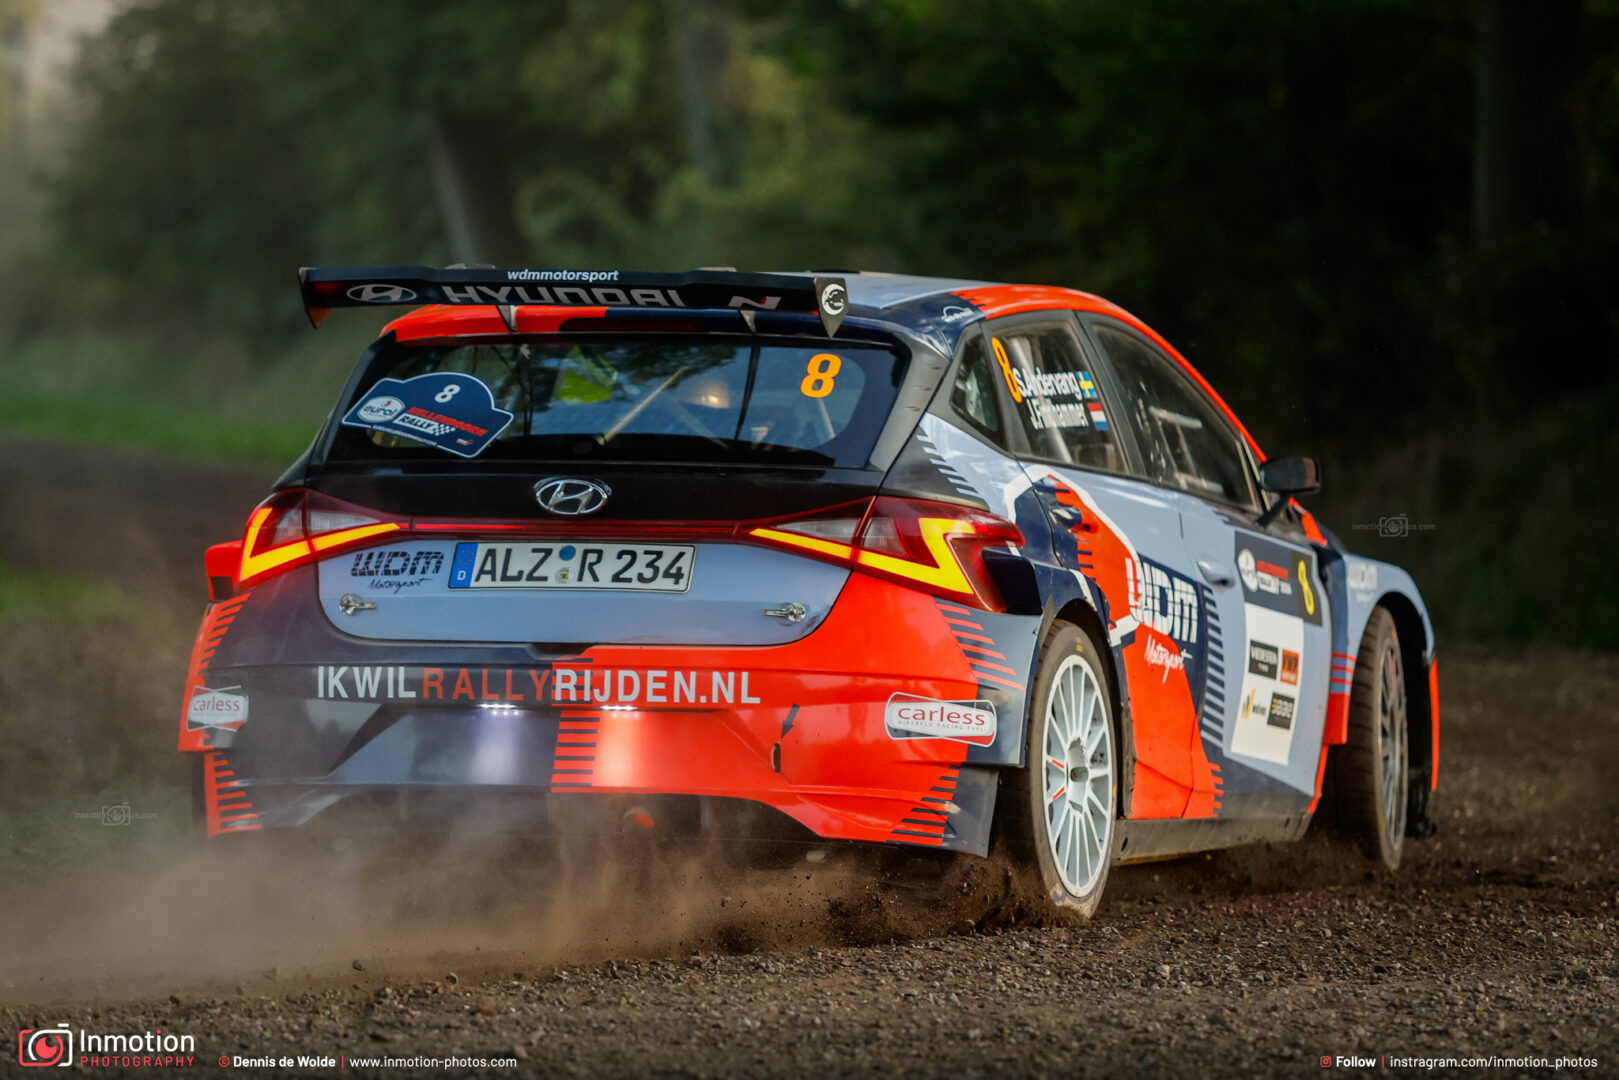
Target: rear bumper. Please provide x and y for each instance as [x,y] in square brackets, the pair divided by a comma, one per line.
[296,717]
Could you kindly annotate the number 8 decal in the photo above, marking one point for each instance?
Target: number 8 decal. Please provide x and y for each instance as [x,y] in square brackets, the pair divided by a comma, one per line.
[820,375]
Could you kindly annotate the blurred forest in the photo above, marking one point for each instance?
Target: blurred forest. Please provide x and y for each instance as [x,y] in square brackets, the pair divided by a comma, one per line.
[1385,229]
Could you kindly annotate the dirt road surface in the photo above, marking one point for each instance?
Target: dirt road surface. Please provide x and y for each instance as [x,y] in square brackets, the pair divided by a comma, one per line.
[1496,939]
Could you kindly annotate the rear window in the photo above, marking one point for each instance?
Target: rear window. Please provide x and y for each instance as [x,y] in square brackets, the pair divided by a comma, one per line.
[746,400]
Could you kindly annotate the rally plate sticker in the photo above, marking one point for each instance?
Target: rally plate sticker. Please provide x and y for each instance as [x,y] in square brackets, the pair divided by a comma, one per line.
[446,409]
[573,564]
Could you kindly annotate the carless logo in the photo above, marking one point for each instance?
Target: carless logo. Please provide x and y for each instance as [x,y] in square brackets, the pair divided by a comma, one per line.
[909,717]
[216,709]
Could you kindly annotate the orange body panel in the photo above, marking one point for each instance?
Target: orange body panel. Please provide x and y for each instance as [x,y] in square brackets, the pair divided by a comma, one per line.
[841,774]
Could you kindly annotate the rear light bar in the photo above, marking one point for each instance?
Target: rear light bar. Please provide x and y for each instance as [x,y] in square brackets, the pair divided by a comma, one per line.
[934,546]
[938,547]
[295,527]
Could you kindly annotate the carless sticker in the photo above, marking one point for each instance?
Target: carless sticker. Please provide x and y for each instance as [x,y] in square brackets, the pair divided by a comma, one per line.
[909,717]
[216,709]
[446,409]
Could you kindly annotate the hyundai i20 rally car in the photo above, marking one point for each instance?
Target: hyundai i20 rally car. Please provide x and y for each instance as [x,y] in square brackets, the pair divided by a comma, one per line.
[874,558]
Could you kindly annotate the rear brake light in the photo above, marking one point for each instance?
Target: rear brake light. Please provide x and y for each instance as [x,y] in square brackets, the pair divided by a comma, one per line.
[294,527]
[829,533]
[938,547]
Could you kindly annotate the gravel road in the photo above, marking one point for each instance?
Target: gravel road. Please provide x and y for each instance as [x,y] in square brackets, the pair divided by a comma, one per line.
[1497,938]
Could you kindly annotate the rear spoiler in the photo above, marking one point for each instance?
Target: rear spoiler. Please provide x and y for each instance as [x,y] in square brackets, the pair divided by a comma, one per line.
[325,288]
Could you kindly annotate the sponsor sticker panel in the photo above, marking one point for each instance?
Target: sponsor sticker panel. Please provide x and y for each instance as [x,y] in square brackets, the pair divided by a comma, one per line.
[1267,704]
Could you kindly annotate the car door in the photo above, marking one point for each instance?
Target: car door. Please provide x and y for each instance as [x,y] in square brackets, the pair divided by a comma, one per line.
[1268,646]
[1123,539]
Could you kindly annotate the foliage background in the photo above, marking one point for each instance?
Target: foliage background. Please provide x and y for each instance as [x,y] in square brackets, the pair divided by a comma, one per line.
[1385,229]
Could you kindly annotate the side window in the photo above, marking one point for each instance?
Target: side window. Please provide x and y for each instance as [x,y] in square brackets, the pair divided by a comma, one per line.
[973,396]
[1186,442]
[1056,396]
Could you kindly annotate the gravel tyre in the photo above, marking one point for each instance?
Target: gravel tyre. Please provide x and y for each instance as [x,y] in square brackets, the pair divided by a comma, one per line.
[1061,807]
[1371,771]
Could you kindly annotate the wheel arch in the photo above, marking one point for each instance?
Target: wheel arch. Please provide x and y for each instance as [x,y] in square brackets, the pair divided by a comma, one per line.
[1416,653]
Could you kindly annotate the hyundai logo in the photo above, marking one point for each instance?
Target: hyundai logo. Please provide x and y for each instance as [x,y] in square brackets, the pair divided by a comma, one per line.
[571,496]
[381,294]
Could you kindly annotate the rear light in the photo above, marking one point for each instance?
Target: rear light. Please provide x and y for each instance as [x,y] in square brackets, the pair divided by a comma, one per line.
[934,546]
[224,562]
[938,547]
[829,533]
[294,527]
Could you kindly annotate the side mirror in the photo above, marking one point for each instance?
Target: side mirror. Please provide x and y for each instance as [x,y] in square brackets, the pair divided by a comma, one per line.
[1291,476]
[1286,477]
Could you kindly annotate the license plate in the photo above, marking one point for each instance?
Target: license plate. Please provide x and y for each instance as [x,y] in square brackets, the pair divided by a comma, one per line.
[566,564]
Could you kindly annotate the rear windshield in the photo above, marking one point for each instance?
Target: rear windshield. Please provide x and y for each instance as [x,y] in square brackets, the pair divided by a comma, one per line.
[745,400]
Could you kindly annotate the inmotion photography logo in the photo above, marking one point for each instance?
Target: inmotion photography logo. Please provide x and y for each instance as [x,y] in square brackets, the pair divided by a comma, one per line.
[37,1047]
[45,1046]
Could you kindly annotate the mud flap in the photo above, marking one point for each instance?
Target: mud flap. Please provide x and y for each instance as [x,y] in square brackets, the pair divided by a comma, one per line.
[1419,821]
[956,814]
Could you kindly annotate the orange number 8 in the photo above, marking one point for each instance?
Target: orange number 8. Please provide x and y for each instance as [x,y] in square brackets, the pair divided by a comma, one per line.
[819,375]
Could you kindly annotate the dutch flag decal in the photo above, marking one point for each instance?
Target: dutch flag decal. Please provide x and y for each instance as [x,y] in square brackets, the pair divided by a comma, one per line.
[1097,416]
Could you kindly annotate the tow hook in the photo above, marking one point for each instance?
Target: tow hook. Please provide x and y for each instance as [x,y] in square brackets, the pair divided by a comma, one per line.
[792,612]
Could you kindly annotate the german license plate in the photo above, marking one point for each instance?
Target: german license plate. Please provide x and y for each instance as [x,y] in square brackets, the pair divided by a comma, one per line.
[572,564]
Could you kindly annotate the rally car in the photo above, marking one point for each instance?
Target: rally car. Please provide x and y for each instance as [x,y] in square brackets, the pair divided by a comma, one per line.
[861,557]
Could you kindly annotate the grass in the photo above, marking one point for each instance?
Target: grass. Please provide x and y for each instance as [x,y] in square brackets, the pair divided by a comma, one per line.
[209,398]
[119,422]
[26,595]
[91,680]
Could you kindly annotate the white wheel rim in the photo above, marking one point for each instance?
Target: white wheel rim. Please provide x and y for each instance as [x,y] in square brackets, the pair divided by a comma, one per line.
[1078,777]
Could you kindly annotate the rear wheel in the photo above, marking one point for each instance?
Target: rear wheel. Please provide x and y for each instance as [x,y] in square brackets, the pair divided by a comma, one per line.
[1060,808]
[1370,771]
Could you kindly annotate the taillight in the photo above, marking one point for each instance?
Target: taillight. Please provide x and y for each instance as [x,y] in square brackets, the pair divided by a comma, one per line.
[938,547]
[828,533]
[294,527]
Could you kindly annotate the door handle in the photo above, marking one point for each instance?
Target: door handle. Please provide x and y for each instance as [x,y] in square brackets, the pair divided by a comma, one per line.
[1214,573]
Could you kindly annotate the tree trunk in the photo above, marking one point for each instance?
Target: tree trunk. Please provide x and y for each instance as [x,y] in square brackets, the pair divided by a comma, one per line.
[475,201]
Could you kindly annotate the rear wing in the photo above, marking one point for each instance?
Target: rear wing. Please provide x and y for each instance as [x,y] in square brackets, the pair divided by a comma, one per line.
[325,288]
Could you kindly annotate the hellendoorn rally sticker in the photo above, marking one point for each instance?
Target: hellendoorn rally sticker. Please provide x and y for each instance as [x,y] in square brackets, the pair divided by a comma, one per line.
[446,409]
